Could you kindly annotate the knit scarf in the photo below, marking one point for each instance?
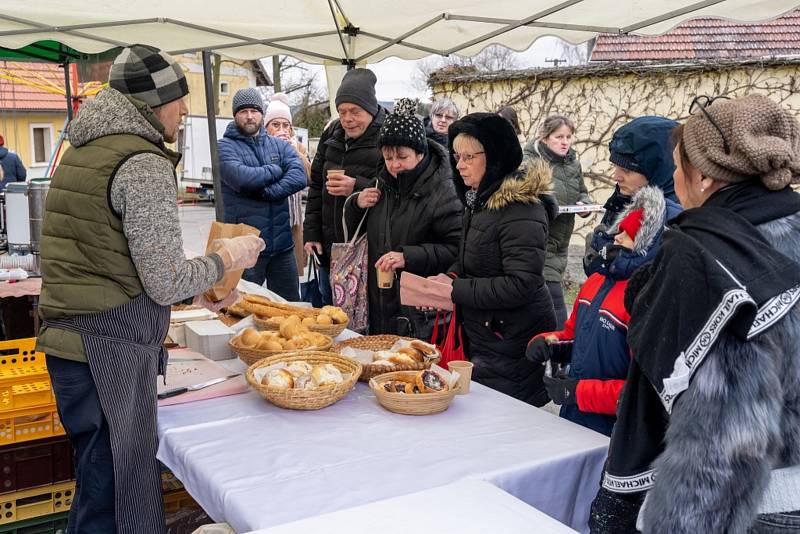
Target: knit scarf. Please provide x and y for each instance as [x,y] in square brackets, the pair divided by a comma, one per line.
[470,197]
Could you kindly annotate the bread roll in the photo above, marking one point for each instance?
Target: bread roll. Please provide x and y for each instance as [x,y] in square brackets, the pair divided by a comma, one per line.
[402,359]
[414,353]
[324,319]
[279,378]
[326,375]
[383,363]
[425,348]
[299,368]
[309,321]
[431,382]
[303,381]
[249,338]
[339,316]
[269,344]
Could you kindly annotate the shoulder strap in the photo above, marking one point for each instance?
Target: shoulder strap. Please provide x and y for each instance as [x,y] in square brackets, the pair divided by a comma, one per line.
[344,222]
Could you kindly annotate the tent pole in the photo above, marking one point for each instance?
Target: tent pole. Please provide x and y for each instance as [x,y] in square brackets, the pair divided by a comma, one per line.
[211,117]
[68,91]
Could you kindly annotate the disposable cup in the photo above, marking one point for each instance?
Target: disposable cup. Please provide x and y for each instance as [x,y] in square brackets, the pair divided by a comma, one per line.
[464,370]
[385,278]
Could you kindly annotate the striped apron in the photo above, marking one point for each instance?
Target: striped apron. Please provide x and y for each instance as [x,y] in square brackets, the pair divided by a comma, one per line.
[125,354]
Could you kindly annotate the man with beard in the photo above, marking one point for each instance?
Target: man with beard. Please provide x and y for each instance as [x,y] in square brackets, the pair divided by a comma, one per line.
[259,173]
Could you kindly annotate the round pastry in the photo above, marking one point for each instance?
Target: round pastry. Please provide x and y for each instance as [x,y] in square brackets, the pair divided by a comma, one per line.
[324,319]
[309,321]
[431,382]
[291,326]
[326,375]
[303,381]
[276,321]
[249,338]
[299,368]
[279,378]
[316,339]
[269,344]
[414,353]
[338,316]
[425,348]
[382,355]
[402,359]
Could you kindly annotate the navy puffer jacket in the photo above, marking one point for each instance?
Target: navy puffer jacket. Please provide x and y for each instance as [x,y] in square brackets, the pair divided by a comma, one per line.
[258,174]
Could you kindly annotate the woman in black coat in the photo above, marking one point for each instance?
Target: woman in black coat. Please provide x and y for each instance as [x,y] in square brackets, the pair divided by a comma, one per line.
[498,286]
[414,219]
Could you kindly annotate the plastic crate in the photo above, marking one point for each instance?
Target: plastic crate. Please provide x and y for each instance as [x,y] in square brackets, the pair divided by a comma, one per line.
[24,466]
[28,424]
[24,381]
[176,500]
[49,524]
[36,502]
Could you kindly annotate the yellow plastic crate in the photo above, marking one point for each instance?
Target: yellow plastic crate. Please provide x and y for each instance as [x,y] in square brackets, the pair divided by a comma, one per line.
[24,381]
[28,424]
[36,502]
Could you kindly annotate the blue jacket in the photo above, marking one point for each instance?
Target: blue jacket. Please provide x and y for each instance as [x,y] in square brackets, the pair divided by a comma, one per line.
[13,169]
[258,174]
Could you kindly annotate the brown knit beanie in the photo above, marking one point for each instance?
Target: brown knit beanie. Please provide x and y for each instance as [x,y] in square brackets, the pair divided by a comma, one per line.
[764,141]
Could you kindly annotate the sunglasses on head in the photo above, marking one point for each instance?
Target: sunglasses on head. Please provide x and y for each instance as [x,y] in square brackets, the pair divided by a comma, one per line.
[700,103]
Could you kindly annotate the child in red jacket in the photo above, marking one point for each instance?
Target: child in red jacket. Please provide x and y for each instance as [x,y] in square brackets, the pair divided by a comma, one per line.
[591,352]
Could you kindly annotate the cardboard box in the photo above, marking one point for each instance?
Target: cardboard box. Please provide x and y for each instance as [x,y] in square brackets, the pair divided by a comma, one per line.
[209,338]
[229,282]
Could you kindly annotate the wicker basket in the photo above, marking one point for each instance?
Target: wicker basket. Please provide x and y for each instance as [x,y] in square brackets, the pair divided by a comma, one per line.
[262,323]
[410,404]
[376,343]
[306,399]
[251,356]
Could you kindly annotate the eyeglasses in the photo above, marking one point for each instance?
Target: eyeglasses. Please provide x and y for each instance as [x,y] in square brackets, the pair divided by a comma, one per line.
[468,158]
[443,117]
[701,103]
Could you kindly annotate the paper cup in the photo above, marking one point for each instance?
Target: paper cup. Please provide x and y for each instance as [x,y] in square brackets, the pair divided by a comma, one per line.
[385,278]
[334,171]
[464,369]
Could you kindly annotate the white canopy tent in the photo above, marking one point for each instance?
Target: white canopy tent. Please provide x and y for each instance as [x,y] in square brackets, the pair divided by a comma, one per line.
[343,33]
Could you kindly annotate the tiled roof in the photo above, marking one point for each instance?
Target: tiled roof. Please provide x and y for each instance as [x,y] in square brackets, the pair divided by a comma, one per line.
[15,94]
[706,39]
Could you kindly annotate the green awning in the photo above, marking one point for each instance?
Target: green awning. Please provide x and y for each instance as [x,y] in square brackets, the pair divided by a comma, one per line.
[55,52]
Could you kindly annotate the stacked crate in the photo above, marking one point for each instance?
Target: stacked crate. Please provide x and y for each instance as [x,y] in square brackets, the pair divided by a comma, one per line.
[36,461]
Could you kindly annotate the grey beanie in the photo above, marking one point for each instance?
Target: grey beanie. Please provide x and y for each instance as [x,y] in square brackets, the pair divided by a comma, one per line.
[149,75]
[358,87]
[249,98]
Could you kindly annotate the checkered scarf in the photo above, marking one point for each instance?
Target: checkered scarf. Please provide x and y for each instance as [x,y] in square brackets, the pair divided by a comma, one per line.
[149,75]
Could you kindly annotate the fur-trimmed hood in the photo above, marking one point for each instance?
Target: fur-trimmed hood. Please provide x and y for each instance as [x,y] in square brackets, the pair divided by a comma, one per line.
[527,185]
[651,200]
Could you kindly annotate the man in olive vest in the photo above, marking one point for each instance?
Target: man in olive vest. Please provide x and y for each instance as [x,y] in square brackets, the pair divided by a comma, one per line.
[112,262]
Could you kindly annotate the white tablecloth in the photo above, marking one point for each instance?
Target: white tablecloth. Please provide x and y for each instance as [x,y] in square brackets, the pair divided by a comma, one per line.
[464,507]
[254,465]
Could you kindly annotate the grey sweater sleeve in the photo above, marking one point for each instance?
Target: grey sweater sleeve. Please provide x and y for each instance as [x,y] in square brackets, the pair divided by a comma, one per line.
[144,195]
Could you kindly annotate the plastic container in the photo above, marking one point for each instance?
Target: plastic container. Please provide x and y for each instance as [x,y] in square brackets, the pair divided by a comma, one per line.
[48,524]
[28,424]
[209,338]
[30,465]
[37,502]
[24,381]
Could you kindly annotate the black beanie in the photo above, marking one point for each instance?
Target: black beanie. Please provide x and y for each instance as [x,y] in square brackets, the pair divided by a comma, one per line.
[403,128]
[358,87]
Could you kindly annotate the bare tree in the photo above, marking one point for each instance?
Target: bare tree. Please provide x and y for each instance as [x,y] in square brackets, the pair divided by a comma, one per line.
[575,54]
[493,58]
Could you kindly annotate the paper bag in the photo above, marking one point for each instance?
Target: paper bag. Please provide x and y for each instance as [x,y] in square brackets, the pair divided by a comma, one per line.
[418,291]
[231,279]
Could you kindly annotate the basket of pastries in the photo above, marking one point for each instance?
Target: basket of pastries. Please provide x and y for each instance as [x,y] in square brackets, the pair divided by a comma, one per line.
[268,315]
[250,345]
[303,380]
[422,392]
[384,353]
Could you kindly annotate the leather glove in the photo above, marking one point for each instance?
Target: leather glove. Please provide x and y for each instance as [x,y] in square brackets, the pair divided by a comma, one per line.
[201,300]
[538,350]
[561,389]
[238,252]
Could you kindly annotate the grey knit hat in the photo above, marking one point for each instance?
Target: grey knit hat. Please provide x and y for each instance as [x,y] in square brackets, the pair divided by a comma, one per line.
[403,128]
[763,142]
[149,75]
[248,98]
[358,87]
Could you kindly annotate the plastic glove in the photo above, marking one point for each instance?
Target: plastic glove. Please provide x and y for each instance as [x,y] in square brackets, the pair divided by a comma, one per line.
[238,252]
[201,300]
[561,389]
[538,350]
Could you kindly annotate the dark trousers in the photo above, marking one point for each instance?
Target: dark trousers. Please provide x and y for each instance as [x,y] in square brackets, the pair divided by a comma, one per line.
[92,510]
[560,307]
[280,273]
[325,286]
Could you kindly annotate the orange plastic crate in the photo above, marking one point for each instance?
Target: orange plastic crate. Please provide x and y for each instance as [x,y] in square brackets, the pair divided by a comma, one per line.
[36,502]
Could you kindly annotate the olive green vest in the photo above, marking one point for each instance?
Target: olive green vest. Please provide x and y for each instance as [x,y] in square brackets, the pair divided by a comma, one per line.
[85,261]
